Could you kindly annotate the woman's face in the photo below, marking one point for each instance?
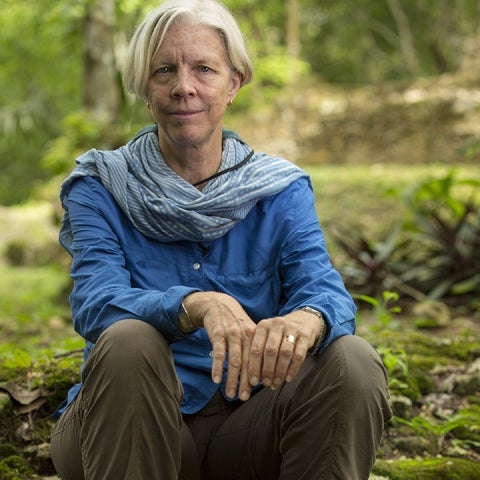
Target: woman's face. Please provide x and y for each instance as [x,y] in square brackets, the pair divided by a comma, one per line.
[190,85]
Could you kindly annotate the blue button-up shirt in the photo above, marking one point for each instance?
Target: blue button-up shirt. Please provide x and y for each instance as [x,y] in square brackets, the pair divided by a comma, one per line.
[273,262]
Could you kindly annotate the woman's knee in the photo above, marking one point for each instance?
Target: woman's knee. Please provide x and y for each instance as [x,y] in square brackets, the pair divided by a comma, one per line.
[131,346]
[362,366]
[131,341]
[364,377]
[349,369]
[130,332]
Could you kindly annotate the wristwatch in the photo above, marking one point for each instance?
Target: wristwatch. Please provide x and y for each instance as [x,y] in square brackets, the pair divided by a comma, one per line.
[323,333]
[185,324]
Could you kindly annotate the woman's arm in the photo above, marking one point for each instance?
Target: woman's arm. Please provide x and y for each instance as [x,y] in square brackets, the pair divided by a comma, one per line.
[103,292]
[309,278]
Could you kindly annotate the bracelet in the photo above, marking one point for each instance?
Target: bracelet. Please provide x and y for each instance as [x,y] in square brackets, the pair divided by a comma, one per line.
[185,323]
[319,340]
[323,333]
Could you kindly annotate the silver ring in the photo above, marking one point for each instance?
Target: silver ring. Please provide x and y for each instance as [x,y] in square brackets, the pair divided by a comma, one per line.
[289,339]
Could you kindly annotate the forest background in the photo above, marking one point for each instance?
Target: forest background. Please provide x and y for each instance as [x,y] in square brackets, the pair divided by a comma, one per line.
[61,62]
[379,100]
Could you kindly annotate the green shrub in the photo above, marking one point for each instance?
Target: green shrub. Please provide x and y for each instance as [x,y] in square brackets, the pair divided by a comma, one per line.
[432,253]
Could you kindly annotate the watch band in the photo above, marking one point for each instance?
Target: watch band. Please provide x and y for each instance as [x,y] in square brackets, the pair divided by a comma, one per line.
[323,333]
[184,321]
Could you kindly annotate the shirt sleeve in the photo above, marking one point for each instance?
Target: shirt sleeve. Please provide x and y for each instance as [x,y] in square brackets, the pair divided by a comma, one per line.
[102,292]
[309,278]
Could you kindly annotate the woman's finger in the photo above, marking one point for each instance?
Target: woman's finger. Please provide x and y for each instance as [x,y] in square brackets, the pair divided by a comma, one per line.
[255,359]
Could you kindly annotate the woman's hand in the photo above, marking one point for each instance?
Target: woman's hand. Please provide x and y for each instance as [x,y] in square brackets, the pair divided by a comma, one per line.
[230,330]
[280,345]
[271,351]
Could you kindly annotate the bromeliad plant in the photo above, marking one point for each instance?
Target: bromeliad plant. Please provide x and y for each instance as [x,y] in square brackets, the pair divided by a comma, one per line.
[375,263]
[434,252]
[444,231]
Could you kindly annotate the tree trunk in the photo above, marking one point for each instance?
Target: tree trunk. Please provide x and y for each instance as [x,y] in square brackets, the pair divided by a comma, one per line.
[293,28]
[407,45]
[101,89]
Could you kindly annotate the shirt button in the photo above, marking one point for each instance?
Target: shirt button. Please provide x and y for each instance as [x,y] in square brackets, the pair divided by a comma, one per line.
[196,266]
[211,354]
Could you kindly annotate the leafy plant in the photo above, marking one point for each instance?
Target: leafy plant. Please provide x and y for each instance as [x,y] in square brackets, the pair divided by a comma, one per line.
[432,254]
[436,430]
[394,359]
[382,310]
[445,230]
[373,262]
[396,363]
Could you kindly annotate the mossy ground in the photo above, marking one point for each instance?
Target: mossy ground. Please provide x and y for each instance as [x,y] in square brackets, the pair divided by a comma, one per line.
[428,469]
[29,396]
[420,445]
[435,432]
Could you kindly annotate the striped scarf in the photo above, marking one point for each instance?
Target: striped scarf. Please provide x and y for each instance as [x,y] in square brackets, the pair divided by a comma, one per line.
[165,207]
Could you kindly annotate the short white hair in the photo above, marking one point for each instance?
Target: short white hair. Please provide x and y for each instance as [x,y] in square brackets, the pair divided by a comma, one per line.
[149,36]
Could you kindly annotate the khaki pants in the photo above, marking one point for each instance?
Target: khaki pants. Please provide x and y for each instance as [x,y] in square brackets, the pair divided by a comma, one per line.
[126,421]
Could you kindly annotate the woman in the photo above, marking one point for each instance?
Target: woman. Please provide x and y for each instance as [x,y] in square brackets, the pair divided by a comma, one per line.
[219,337]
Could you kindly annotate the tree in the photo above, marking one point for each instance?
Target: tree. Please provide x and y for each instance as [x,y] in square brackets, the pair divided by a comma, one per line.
[101,88]
[407,45]
[40,52]
[293,28]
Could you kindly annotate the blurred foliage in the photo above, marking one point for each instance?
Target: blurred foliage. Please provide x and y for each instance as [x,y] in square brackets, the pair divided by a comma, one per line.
[355,41]
[80,131]
[40,54]
[40,298]
[364,41]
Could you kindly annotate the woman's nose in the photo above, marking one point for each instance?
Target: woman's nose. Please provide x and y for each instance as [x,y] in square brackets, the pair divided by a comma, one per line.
[183,85]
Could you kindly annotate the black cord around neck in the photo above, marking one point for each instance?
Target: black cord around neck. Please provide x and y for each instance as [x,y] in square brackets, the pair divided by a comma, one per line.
[229,169]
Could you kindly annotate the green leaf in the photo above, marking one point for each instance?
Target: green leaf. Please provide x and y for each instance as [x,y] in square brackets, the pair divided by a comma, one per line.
[18,359]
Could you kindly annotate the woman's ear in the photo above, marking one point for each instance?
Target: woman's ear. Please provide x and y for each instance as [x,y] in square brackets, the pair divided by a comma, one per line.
[235,84]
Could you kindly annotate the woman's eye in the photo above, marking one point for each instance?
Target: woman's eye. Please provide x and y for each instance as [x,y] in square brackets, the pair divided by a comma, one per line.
[161,70]
[204,69]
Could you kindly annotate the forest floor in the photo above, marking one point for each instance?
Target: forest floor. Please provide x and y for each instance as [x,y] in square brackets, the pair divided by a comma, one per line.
[435,396]
[434,376]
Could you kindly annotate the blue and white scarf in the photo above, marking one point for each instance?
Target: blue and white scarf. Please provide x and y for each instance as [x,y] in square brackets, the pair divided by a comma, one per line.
[165,207]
